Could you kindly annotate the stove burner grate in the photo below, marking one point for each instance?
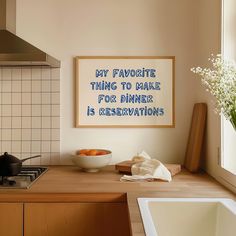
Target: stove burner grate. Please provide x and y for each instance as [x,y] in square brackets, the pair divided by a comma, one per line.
[27,176]
[7,182]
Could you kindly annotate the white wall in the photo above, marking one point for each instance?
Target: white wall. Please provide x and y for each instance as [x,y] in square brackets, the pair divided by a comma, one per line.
[182,28]
[209,42]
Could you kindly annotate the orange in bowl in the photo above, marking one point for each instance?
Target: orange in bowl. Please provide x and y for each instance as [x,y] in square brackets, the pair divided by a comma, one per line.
[82,154]
[83,151]
[101,153]
[91,160]
[92,152]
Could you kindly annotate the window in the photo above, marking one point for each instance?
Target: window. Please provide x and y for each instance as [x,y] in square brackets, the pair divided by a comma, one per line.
[227,168]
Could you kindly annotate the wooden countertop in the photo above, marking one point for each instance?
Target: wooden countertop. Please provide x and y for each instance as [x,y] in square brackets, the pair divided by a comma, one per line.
[68,184]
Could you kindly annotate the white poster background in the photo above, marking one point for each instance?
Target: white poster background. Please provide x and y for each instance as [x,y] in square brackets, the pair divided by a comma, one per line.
[86,73]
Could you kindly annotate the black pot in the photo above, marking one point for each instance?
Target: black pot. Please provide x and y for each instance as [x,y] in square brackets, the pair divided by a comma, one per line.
[11,165]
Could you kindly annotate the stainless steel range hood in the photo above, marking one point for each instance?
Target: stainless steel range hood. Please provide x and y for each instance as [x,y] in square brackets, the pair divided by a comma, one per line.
[15,51]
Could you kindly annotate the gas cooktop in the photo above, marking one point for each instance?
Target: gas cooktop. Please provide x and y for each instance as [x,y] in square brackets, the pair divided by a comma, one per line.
[27,176]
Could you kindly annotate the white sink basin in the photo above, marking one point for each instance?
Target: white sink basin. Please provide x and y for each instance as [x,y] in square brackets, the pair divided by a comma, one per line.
[188,216]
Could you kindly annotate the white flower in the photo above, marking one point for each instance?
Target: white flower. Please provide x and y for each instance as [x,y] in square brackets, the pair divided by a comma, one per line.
[220,81]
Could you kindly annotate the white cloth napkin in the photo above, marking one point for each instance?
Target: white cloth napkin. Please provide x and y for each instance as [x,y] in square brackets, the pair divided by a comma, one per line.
[147,169]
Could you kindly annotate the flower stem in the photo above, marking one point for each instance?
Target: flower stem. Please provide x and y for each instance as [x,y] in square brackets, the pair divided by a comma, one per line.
[233,119]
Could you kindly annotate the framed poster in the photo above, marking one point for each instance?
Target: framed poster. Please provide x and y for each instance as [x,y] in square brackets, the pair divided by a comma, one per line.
[125,91]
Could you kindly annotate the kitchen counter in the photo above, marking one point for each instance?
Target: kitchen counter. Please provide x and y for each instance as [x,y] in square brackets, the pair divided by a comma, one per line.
[68,184]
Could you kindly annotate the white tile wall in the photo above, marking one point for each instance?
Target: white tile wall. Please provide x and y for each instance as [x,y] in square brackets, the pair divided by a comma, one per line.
[30,113]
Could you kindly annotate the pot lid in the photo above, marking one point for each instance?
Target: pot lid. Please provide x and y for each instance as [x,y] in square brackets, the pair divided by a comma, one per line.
[10,158]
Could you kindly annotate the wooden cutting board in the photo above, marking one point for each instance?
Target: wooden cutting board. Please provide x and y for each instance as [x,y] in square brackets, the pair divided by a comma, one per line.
[195,139]
[125,167]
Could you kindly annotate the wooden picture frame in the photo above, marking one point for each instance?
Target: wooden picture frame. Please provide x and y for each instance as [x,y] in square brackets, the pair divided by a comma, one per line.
[127,91]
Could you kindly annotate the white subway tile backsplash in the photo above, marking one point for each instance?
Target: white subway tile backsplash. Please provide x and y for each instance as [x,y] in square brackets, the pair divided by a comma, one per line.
[46,122]
[16,86]
[16,122]
[6,73]
[55,122]
[30,113]
[36,98]
[35,146]
[26,86]
[55,146]
[6,110]
[6,86]
[35,161]
[16,74]
[46,110]
[55,74]
[16,146]
[36,74]
[6,98]
[55,98]
[6,134]
[26,110]
[46,146]
[16,98]
[16,134]
[46,74]
[26,98]
[26,134]
[46,98]
[6,122]
[55,110]
[6,146]
[36,134]
[55,134]
[36,110]
[16,110]
[46,134]
[36,86]
[36,122]
[25,155]
[46,85]
[55,85]
[26,122]
[26,146]
[46,159]
[26,74]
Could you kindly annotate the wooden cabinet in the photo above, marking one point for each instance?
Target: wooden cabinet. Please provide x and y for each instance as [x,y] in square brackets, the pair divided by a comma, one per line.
[75,219]
[11,219]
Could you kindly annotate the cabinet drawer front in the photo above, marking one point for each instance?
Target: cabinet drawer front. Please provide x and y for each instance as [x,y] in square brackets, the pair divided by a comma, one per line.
[74,219]
[11,219]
